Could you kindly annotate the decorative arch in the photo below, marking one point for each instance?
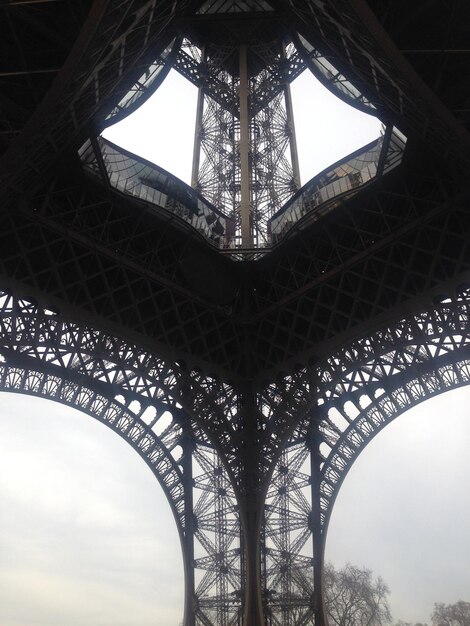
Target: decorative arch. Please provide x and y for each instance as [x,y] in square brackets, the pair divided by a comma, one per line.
[359,390]
[313,423]
[123,420]
[37,337]
[369,383]
[132,391]
[437,379]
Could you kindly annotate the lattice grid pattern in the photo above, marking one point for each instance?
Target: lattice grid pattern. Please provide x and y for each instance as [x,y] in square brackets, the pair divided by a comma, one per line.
[255,386]
[346,399]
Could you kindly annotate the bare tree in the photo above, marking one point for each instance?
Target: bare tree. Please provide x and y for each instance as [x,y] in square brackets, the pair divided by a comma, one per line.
[354,598]
[457,614]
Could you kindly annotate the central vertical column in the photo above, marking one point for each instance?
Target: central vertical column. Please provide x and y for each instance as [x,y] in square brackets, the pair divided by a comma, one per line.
[318,547]
[188,539]
[251,512]
[294,156]
[244,151]
[198,133]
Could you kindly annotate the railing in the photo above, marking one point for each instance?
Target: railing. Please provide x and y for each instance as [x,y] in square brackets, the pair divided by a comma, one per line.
[343,179]
[144,181]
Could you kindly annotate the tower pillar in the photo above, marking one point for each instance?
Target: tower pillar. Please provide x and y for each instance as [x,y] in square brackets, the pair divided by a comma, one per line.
[197,139]
[187,445]
[316,521]
[244,151]
[245,159]
[251,512]
[253,612]
[294,155]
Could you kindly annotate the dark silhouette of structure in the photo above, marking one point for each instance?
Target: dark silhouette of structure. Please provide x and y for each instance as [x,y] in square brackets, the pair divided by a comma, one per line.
[280,327]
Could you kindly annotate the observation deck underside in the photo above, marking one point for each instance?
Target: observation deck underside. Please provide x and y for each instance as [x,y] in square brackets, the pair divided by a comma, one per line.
[125,289]
[98,246]
[109,256]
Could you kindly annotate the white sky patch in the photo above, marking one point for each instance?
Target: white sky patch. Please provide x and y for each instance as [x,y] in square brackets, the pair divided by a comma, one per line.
[403,509]
[162,129]
[86,533]
[327,129]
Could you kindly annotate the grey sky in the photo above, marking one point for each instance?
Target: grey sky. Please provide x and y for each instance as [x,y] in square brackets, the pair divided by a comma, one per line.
[162,130]
[86,536]
[404,510]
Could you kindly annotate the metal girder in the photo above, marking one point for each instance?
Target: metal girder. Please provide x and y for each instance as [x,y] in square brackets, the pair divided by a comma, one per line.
[112,41]
[206,76]
[248,389]
[391,245]
[347,399]
[32,52]
[439,53]
[244,133]
[357,42]
[115,262]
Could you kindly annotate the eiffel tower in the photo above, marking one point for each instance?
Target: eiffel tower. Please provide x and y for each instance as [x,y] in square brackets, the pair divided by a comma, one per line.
[280,326]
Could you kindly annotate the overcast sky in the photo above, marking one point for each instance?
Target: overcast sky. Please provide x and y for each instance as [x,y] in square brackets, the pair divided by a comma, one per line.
[162,130]
[404,509]
[86,536]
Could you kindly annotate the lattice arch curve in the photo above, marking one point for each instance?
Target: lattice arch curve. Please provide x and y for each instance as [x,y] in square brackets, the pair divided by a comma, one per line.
[43,354]
[378,416]
[360,389]
[372,381]
[113,414]
[35,337]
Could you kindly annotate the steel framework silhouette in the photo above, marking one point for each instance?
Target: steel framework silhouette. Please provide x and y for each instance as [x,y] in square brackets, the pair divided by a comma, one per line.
[247,337]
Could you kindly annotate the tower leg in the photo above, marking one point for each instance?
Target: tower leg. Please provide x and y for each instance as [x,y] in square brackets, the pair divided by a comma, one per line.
[251,513]
[318,547]
[188,540]
[253,605]
[197,136]
[244,150]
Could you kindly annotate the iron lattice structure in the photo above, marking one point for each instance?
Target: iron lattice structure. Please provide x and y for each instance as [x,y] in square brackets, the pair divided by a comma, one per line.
[244,128]
[249,381]
[245,154]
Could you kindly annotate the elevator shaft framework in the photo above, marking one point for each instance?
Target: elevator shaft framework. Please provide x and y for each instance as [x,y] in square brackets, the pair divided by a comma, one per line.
[276,372]
[245,153]
[171,417]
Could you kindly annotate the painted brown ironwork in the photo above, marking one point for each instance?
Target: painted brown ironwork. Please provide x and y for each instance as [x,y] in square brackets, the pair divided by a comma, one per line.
[249,384]
[347,399]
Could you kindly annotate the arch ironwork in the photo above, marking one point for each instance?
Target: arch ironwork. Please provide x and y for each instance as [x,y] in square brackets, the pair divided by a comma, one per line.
[360,389]
[277,371]
[311,426]
[46,356]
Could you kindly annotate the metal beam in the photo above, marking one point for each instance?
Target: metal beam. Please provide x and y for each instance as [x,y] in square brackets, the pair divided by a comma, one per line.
[244,152]
[29,72]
